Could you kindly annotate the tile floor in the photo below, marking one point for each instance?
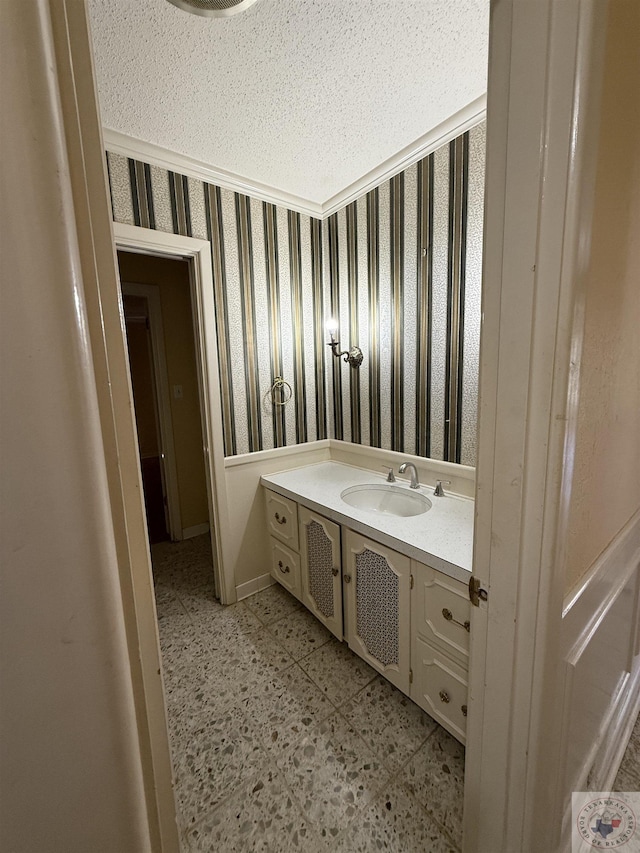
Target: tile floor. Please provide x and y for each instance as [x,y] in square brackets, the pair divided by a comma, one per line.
[282,738]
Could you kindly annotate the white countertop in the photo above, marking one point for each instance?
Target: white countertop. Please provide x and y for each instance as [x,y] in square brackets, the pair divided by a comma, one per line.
[441,537]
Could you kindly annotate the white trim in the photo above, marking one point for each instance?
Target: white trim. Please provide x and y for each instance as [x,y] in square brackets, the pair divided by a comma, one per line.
[537,68]
[161,387]
[195,530]
[458,123]
[277,452]
[159,242]
[148,152]
[155,155]
[244,590]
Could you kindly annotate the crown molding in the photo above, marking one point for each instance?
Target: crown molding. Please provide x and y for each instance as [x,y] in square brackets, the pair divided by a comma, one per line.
[458,123]
[128,146]
[138,149]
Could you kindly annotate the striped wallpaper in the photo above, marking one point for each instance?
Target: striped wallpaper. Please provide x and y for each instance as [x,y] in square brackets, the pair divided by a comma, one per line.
[400,270]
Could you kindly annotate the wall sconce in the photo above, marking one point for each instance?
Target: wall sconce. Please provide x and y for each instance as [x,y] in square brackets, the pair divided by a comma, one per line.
[352,356]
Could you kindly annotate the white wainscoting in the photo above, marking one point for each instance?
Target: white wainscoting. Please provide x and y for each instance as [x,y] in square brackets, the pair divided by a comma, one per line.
[602,667]
[247,534]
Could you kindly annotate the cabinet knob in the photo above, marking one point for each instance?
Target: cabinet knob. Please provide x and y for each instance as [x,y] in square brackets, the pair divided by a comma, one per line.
[335,572]
[448,615]
[282,520]
[464,710]
[284,570]
[347,578]
[444,697]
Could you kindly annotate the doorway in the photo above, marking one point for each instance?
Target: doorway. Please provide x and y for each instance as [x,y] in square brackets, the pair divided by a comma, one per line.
[146,405]
[159,321]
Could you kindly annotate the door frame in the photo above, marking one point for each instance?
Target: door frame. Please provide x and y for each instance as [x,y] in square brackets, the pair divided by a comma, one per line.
[545,68]
[163,407]
[159,243]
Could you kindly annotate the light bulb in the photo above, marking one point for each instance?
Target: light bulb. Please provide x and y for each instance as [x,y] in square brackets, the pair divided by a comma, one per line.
[332,327]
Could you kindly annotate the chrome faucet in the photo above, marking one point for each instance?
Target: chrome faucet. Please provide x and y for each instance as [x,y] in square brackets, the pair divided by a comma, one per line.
[390,476]
[439,491]
[414,474]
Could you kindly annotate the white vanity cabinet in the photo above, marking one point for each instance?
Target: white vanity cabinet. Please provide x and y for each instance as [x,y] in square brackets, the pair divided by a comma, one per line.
[376,590]
[440,624]
[320,568]
[408,621]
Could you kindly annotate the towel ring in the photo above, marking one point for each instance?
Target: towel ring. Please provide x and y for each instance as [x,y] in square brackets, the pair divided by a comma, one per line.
[280,387]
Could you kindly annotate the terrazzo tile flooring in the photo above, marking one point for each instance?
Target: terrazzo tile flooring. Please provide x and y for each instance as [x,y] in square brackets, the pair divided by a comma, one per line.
[282,739]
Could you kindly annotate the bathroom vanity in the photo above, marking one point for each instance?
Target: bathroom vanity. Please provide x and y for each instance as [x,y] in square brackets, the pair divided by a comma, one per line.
[389,575]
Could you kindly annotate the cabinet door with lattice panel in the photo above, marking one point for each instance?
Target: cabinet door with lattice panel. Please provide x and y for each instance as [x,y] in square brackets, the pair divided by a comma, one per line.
[321,569]
[377,596]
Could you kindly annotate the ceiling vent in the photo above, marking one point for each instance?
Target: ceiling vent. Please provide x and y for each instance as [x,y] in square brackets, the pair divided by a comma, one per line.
[213,8]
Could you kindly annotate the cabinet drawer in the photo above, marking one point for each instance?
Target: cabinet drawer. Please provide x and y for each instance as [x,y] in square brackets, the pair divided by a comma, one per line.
[440,611]
[282,519]
[285,567]
[440,688]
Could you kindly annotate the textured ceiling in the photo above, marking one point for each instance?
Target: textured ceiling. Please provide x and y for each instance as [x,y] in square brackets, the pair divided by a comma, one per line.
[305,96]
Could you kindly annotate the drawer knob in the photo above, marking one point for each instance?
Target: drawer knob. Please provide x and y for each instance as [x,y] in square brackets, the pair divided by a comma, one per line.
[464,710]
[285,570]
[282,520]
[347,578]
[444,697]
[448,615]
[335,572]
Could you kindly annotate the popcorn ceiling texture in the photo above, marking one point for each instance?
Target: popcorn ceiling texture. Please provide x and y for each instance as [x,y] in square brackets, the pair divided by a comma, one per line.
[305,96]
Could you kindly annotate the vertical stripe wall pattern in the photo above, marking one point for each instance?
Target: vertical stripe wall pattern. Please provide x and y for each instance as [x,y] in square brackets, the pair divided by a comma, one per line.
[399,269]
[414,260]
[268,293]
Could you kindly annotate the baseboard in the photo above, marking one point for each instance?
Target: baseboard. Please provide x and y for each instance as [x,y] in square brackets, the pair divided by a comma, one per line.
[196,530]
[244,590]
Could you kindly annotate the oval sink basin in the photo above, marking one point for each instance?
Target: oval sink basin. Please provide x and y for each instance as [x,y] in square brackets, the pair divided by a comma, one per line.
[388,500]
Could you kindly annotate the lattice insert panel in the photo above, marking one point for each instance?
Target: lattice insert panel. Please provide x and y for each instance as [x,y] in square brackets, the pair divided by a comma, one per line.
[320,563]
[377,592]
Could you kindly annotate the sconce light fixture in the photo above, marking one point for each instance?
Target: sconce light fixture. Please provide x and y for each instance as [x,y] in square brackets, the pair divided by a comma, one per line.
[352,356]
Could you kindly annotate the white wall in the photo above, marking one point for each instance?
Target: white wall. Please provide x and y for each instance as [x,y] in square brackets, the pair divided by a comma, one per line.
[70,768]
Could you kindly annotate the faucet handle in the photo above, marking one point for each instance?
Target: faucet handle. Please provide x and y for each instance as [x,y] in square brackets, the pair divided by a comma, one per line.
[439,491]
[391,477]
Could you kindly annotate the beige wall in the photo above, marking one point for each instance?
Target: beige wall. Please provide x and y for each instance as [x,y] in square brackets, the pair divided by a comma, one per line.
[606,479]
[70,758]
[172,278]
